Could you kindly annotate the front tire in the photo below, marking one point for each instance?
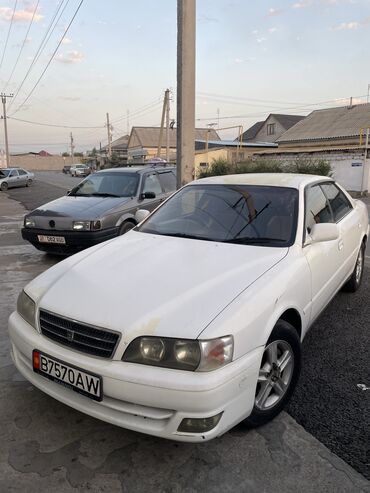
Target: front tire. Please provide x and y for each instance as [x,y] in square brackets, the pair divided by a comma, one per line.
[278,374]
[125,227]
[354,281]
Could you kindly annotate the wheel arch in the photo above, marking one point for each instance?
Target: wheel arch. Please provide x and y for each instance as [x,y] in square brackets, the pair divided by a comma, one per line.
[293,317]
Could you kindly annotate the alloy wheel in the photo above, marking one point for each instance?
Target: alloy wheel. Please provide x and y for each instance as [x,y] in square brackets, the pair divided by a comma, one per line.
[275,374]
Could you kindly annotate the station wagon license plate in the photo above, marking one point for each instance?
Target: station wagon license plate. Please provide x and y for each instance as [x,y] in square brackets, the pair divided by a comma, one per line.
[76,379]
[51,239]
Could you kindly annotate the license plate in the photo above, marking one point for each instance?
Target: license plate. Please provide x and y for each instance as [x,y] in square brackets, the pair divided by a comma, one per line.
[51,239]
[74,378]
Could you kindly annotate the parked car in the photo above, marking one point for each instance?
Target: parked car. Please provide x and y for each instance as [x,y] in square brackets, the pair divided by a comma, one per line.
[193,321]
[66,169]
[79,170]
[99,208]
[15,177]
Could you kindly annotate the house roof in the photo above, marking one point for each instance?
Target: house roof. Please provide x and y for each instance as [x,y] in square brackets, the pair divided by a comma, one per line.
[252,131]
[331,123]
[285,121]
[149,136]
[119,144]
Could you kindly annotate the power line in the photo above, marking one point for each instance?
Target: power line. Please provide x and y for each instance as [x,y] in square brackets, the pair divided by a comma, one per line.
[7,37]
[42,45]
[22,46]
[51,58]
[139,110]
[50,124]
[303,108]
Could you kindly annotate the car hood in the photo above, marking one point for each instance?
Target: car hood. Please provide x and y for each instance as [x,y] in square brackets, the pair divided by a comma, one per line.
[78,207]
[143,284]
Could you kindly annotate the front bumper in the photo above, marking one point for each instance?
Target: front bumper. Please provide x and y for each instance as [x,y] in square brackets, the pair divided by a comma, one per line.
[145,399]
[75,240]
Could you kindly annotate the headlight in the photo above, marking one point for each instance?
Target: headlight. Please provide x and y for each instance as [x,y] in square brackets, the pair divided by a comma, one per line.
[26,308]
[86,225]
[181,354]
[29,223]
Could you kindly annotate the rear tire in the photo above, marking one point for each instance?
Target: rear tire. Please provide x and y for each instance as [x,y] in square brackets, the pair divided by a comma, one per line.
[4,186]
[354,281]
[125,227]
[278,374]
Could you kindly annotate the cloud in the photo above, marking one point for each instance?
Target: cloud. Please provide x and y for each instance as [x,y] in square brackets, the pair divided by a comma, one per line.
[272,29]
[346,101]
[66,41]
[272,12]
[346,26]
[302,4]
[23,15]
[261,40]
[205,19]
[70,57]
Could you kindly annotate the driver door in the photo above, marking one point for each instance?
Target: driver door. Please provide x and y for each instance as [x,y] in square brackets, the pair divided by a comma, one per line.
[324,258]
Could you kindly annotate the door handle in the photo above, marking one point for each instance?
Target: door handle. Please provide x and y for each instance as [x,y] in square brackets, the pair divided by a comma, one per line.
[340,245]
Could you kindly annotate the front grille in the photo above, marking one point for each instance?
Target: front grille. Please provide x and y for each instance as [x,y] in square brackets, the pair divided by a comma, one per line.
[79,336]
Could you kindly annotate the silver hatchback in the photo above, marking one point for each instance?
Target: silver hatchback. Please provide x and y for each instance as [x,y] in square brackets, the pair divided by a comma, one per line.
[99,208]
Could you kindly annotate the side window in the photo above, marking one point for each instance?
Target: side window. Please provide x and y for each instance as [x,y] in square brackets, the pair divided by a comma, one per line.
[317,208]
[339,203]
[168,181]
[151,184]
[13,173]
[22,172]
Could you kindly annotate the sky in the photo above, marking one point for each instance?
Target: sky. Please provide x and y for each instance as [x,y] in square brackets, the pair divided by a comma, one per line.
[119,56]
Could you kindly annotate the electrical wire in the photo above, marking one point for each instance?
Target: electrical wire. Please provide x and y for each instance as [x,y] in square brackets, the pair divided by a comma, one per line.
[303,108]
[156,102]
[51,58]
[22,46]
[51,124]
[41,47]
[7,37]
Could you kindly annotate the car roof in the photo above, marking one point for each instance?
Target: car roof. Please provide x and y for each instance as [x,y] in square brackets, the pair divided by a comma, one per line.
[291,180]
[138,169]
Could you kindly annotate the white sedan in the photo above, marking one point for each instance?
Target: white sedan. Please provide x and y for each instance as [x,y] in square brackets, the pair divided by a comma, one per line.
[193,321]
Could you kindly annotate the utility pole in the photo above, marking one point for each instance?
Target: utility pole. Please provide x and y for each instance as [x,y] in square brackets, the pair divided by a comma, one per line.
[128,122]
[3,100]
[72,148]
[109,138]
[168,126]
[159,150]
[186,21]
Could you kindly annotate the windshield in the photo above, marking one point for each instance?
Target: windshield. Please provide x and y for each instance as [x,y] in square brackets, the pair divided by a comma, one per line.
[108,185]
[242,214]
[4,172]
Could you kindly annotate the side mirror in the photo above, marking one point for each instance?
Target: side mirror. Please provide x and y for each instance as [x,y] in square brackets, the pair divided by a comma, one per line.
[68,192]
[324,232]
[141,214]
[147,195]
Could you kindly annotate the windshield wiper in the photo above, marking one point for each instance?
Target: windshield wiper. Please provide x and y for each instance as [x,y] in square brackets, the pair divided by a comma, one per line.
[253,240]
[99,194]
[179,235]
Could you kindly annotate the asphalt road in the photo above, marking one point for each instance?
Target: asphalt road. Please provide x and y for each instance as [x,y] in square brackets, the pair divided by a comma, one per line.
[329,402]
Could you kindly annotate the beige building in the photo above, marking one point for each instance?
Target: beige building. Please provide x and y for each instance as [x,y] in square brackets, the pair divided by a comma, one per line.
[144,141]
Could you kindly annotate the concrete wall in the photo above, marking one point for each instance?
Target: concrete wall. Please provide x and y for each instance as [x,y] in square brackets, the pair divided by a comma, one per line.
[350,169]
[39,163]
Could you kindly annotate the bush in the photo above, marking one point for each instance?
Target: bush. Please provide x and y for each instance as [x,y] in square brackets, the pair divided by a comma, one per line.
[312,166]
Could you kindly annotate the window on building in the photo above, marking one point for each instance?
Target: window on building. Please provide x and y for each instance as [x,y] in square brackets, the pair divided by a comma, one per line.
[241,156]
[271,129]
